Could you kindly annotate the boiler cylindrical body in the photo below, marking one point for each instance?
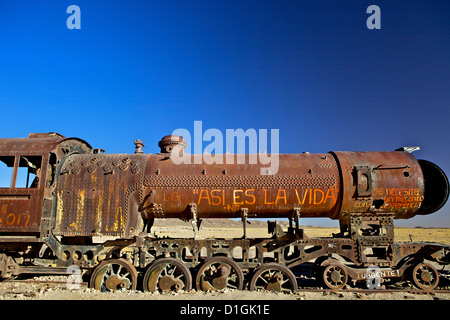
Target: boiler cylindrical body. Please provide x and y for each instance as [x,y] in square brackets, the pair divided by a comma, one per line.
[309,182]
[101,194]
[380,182]
[332,185]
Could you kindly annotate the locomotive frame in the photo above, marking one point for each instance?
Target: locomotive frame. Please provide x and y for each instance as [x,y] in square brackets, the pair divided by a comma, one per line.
[79,195]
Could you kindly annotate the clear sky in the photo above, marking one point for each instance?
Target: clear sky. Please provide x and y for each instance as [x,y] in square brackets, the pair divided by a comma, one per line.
[312,69]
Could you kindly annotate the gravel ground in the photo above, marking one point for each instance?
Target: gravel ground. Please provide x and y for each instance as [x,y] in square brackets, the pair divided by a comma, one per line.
[46,290]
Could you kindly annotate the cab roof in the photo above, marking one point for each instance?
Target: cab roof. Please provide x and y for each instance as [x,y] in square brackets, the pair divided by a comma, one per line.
[36,143]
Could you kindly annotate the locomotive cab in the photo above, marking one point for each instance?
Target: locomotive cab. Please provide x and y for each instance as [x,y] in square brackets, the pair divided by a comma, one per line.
[20,191]
[23,175]
[27,175]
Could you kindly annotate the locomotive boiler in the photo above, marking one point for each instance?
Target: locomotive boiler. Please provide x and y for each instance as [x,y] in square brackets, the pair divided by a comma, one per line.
[102,194]
[60,197]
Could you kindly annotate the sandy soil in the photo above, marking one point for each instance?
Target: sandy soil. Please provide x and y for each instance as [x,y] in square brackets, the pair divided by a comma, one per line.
[60,291]
[225,228]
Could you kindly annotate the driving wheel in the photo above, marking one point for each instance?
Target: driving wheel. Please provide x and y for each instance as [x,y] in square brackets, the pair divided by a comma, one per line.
[167,274]
[113,275]
[274,277]
[219,273]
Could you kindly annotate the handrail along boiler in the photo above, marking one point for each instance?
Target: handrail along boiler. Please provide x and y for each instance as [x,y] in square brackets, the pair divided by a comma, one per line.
[64,203]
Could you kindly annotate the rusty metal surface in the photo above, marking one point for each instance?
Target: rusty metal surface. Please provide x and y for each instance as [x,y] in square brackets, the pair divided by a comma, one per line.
[310,182]
[362,182]
[100,194]
[380,182]
[21,204]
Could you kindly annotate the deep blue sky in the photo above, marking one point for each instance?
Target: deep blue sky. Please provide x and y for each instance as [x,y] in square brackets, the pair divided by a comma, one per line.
[312,69]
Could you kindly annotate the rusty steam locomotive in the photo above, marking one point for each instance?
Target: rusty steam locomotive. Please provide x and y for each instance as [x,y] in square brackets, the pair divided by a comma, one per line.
[64,203]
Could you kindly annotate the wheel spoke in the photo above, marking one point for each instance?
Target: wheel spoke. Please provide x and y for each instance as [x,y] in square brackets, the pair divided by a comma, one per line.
[263,279]
[273,277]
[167,274]
[118,270]
[114,274]
[219,273]
[334,275]
[425,276]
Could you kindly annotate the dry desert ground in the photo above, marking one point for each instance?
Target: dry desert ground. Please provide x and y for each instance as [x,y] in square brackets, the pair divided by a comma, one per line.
[45,290]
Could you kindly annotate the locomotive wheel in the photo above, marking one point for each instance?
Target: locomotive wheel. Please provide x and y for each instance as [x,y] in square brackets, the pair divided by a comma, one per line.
[425,276]
[114,274]
[219,273]
[167,274]
[274,277]
[334,276]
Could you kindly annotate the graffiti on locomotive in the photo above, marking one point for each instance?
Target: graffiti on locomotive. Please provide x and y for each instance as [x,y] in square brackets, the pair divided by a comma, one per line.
[400,197]
[232,199]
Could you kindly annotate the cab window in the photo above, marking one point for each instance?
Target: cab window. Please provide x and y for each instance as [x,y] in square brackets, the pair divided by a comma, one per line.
[6,171]
[28,172]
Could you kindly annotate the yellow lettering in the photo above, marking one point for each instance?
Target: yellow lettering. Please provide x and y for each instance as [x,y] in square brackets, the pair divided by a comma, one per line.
[250,195]
[230,207]
[10,219]
[204,197]
[315,196]
[28,219]
[281,196]
[214,197]
[265,198]
[235,197]
[330,195]
[304,196]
